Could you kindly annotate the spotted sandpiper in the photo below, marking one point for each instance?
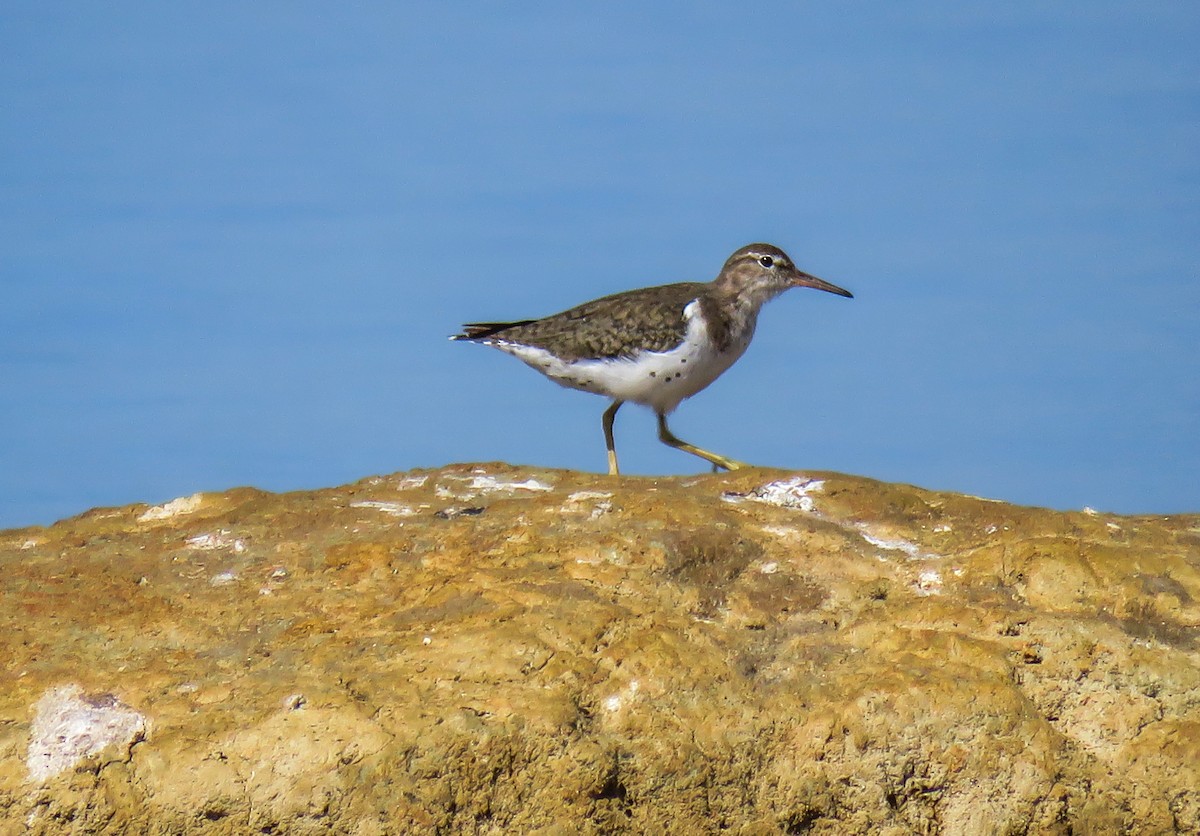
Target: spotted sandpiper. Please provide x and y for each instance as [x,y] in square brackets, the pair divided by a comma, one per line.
[654,346]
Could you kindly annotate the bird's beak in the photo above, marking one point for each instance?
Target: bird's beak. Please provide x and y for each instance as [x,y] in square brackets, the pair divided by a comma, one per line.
[802,279]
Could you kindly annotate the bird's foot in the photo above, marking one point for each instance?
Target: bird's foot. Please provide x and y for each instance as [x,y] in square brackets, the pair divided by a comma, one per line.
[613,469]
[726,464]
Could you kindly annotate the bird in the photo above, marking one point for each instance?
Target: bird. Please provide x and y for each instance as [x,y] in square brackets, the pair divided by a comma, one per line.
[654,346]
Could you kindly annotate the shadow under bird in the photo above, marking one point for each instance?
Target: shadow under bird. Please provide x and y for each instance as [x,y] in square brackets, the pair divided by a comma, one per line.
[657,345]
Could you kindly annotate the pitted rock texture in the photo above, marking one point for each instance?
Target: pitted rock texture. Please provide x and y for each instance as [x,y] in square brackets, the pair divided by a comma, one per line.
[489,649]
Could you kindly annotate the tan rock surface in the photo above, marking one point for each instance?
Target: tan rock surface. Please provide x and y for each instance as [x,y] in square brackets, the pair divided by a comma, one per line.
[487,649]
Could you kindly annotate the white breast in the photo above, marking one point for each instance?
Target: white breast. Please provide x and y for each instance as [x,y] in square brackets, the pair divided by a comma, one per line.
[658,379]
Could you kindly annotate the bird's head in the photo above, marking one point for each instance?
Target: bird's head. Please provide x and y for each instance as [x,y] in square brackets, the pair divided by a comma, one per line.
[759,272]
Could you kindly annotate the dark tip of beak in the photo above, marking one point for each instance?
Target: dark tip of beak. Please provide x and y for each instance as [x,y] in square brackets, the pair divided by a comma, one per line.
[805,280]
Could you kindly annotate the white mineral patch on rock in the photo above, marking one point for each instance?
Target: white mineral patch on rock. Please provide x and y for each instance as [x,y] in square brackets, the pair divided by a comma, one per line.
[601,498]
[894,544]
[783,532]
[487,483]
[616,701]
[222,539]
[584,496]
[601,509]
[182,505]
[69,726]
[928,582]
[795,493]
[480,482]
[394,509]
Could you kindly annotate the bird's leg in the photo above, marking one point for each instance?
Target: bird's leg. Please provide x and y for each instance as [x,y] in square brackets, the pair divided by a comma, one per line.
[609,415]
[667,437]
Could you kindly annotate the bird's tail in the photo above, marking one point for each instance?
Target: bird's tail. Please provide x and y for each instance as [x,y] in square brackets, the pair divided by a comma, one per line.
[483,330]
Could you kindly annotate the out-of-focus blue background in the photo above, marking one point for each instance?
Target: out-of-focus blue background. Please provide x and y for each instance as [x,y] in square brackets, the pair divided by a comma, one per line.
[234,238]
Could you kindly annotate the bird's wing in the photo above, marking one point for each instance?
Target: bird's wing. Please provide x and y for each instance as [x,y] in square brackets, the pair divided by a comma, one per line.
[601,328]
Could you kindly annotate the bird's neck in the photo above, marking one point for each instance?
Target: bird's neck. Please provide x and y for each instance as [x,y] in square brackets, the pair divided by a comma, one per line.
[731,317]
[737,293]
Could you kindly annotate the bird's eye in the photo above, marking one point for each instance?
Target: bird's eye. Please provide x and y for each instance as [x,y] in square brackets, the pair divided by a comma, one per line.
[767,261]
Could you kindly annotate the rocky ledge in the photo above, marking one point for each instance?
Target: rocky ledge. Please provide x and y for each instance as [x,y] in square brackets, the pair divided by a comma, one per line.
[490,649]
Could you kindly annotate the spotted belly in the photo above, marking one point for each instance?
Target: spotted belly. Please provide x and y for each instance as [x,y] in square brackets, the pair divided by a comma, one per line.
[658,379]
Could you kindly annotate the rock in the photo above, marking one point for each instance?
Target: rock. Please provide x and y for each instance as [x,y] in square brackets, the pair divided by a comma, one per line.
[492,649]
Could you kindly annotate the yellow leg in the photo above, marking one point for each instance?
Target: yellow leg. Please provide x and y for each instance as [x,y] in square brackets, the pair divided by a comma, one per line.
[667,437]
[609,415]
